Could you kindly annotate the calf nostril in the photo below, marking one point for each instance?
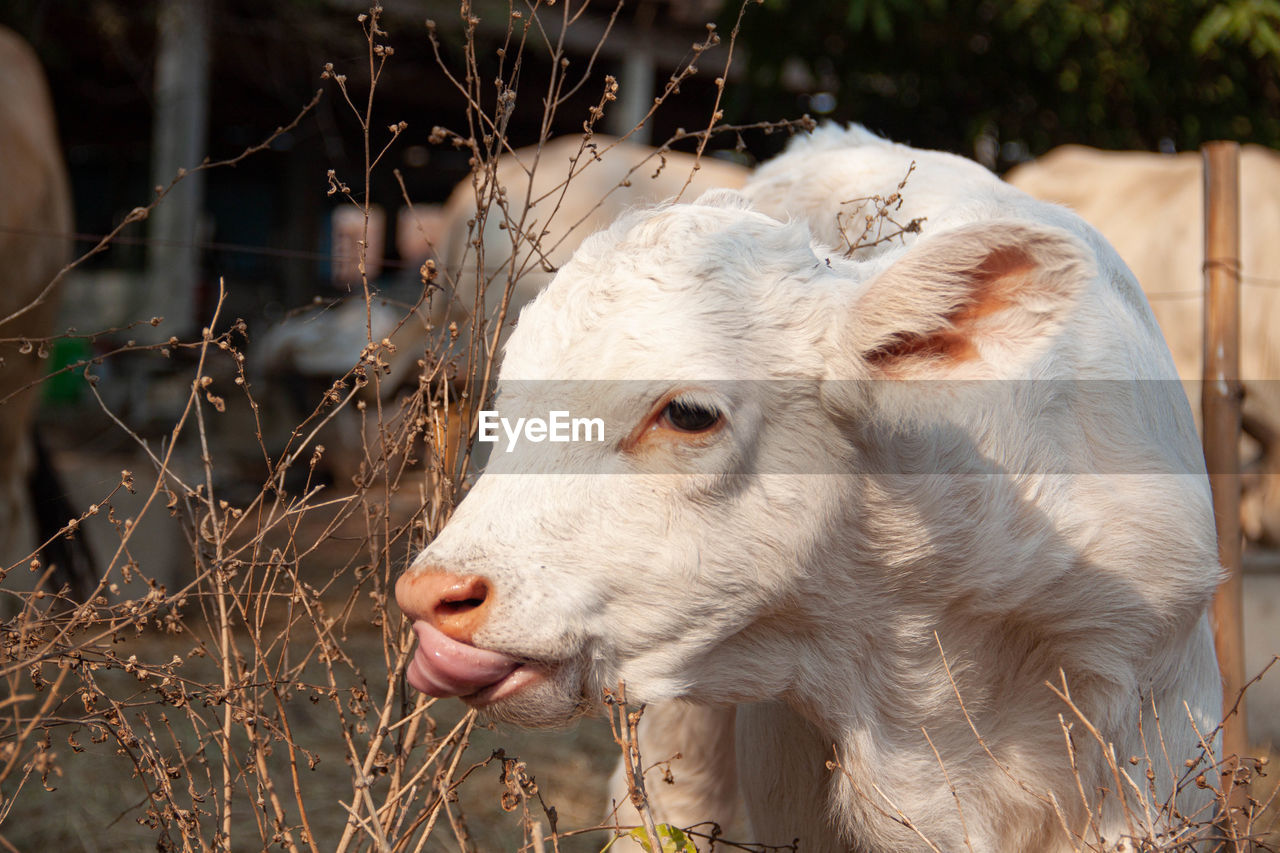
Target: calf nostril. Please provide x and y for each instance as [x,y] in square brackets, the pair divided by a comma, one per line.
[458,607]
[450,606]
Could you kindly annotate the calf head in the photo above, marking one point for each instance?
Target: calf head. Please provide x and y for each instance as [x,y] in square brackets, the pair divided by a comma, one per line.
[720,541]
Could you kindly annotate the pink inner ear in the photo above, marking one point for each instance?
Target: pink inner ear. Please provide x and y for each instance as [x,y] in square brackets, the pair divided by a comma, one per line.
[990,287]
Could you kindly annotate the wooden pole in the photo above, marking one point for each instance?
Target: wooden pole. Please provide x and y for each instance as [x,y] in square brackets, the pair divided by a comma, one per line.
[1221,397]
[179,141]
[636,84]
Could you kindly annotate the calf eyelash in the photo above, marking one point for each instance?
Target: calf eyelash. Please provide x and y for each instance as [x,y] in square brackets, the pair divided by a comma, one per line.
[690,416]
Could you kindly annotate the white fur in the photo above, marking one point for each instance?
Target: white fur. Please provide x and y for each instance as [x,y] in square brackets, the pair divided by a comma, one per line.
[1122,193]
[1033,531]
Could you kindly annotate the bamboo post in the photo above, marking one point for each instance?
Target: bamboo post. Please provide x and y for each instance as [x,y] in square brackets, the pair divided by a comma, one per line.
[1221,397]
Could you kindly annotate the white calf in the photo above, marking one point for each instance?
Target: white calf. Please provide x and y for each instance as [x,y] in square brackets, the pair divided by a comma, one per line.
[821,474]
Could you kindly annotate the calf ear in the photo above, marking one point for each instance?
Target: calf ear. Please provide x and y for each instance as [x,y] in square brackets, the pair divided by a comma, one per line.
[987,292]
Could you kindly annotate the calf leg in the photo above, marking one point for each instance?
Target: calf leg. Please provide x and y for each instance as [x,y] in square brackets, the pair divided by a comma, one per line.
[697,743]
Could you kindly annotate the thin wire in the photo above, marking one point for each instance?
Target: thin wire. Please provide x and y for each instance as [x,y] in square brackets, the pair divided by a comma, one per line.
[299,254]
[234,248]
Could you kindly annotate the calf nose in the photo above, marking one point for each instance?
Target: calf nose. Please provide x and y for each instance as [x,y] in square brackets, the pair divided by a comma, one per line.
[456,605]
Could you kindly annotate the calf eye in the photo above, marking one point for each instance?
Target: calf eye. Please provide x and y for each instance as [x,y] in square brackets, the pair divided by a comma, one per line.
[685,416]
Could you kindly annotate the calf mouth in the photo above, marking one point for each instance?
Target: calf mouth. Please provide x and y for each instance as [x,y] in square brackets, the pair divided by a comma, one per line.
[444,667]
[523,677]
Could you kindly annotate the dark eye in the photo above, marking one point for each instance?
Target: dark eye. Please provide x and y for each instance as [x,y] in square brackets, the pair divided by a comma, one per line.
[689,417]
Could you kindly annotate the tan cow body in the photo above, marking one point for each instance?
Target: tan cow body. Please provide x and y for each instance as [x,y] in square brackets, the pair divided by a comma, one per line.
[35,228]
[549,198]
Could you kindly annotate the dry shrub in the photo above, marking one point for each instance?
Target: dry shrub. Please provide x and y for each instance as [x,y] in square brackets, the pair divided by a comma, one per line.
[258,700]
[252,695]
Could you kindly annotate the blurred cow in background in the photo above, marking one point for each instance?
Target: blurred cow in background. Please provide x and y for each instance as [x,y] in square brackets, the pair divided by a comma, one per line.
[546,200]
[1151,209]
[35,243]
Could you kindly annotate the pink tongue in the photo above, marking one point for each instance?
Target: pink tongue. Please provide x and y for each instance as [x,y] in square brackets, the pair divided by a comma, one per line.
[445,667]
